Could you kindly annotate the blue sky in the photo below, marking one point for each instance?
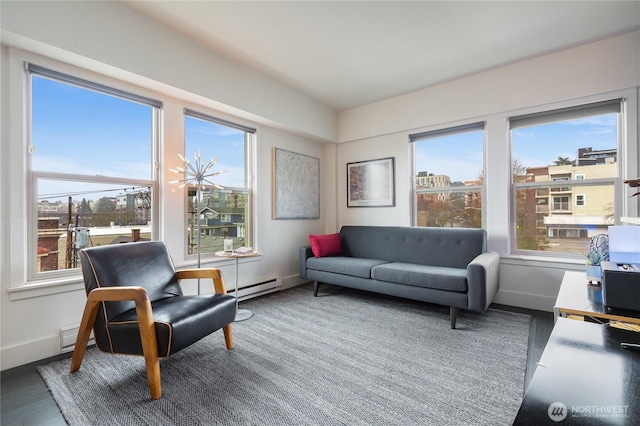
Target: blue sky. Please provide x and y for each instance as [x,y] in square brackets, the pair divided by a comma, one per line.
[223,143]
[83,132]
[79,131]
[460,156]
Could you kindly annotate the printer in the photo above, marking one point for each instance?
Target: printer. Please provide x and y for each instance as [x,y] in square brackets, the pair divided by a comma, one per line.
[621,273]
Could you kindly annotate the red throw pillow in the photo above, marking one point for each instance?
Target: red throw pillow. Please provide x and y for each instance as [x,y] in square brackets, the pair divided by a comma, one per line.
[325,245]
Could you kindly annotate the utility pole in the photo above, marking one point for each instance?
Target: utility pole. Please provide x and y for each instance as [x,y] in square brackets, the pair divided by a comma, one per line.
[69,236]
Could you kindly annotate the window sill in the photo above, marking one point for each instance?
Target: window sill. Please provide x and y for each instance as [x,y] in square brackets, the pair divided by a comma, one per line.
[544,261]
[46,288]
[62,285]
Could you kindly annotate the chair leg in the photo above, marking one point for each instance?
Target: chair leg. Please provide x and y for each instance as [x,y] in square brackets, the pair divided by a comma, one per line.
[86,325]
[454,315]
[149,347]
[153,375]
[315,288]
[228,337]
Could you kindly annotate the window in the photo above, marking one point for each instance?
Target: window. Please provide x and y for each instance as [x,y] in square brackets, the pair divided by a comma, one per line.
[555,155]
[449,176]
[92,179]
[561,203]
[224,211]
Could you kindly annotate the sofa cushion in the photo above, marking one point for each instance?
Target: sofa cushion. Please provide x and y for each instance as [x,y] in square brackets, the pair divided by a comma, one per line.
[437,277]
[344,265]
[325,245]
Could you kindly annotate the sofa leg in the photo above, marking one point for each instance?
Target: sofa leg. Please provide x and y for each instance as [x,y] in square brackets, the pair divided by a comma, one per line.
[315,288]
[454,315]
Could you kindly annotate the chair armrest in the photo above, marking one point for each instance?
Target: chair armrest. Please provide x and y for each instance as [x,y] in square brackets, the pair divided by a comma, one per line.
[483,275]
[111,294]
[304,253]
[214,273]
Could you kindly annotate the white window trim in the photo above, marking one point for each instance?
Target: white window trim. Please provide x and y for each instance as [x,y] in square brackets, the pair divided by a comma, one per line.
[628,162]
[413,172]
[23,281]
[14,163]
[251,164]
[584,200]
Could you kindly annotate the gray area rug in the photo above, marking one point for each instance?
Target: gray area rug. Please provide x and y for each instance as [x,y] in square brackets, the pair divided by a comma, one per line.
[343,358]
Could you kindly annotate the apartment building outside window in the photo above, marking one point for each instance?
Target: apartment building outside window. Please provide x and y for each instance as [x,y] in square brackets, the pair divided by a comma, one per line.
[560,159]
[93,178]
[449,176]
[224,213]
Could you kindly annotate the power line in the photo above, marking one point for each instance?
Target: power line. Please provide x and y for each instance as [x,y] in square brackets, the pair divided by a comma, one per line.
[72,194]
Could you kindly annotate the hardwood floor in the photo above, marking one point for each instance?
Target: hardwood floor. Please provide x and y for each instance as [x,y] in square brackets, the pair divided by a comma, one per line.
[26,401]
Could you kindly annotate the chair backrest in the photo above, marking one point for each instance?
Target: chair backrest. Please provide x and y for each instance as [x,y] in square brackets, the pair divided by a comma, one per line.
[144,264]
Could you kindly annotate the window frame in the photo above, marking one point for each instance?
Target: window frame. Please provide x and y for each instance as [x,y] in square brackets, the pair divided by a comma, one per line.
[577,181]
[25,281]
[437,132]
[33,176]
[250,133]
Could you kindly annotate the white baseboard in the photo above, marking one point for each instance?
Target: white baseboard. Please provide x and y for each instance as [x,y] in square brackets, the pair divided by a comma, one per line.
[525,300]
[25,353]
[293,281]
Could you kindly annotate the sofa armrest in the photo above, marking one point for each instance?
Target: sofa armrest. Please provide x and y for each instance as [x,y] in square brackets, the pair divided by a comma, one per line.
[304,253]
[483,275]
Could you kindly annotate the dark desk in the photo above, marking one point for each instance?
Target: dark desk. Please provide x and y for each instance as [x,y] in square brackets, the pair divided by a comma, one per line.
[577,298]
[584,369]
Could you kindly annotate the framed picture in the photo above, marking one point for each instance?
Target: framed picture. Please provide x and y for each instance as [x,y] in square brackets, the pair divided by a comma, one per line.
[371,183]
[296,186]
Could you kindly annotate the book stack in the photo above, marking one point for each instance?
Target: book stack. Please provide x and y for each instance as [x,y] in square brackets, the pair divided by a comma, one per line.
[243,250]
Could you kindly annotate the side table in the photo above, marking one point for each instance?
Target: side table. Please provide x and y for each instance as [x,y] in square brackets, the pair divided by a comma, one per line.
[241,314]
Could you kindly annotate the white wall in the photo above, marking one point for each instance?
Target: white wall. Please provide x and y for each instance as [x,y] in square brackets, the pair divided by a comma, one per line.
[591,69]
[101,41]
[107,39]
[98,33]
[587,73]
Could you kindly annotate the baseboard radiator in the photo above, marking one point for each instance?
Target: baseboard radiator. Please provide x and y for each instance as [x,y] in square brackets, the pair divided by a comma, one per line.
[69,334]
[258,289]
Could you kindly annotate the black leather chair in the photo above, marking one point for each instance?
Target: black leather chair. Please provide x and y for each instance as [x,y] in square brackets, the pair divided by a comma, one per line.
[135,305]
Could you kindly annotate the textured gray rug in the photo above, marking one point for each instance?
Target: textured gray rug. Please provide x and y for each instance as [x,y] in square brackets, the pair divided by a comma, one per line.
[345,358]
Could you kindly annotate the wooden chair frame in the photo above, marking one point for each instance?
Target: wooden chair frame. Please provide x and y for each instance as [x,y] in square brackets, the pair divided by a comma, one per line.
[145,321]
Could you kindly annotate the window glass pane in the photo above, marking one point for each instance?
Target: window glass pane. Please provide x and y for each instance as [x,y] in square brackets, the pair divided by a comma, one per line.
[79,131]
[457,209]
[219,213]
[73,215]
[557,218]
[453,162]
[223,215]
[575,149]
[226,144]
[562,223]
[91,173]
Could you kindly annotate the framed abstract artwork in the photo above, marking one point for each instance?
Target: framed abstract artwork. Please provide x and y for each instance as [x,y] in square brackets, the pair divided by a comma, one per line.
[296,186]
[371,183]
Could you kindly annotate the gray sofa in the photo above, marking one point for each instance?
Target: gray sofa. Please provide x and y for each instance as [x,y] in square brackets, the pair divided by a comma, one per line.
[445,266]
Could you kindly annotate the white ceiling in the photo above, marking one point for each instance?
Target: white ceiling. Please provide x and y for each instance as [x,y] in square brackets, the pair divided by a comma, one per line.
[350,53]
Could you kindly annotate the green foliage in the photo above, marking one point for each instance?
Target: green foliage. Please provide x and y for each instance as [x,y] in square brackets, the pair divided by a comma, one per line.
[105,204]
